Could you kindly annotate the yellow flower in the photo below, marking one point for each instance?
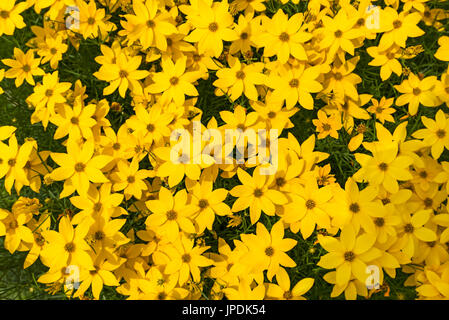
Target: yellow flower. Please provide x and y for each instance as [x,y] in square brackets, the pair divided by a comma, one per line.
[129,178]
[240,78]
[52,50]
[186,259]
[267,250]
[173,82]
[436,134]
[211,25]
[283,290]
[443,51]
[75,122]
[39,243]
[295,85]
[16,232]
[349,254]
[171,213]
[284,36]
[415,92]
[92,20]
[78,167]
[382,109]
[66,246]
[101,274]
[14,159]
[327,125]
[255,194]
[387,60]
[23,67]
[122,74]
[10,17]
[149,25]
[339,34]
[244,291]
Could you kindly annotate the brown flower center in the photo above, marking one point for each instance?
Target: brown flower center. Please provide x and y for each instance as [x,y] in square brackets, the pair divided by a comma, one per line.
[383,166]
[213,27]
[74,120]
[240,75]
[338,34]
[441,133]
[269,251]
[379,222]
[174,81]
[150,24]
[397,24]
[349,256]
[294,83]
[284,37]
[123,73]
[271,114]
[99,235]
[91,21]
[428,202]
[4,14]
[244,36]
[70,247]
[258,193]
[186,258]
[408,228]
[310,204]
[354,207]
[131,179]
[48,93]
[203,203]
[172,215]
[79,167]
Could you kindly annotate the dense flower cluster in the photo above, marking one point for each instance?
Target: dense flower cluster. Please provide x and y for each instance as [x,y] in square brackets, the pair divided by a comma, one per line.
[134,219]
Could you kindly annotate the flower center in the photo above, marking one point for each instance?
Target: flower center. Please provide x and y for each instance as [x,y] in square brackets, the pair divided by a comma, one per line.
[99,235]
[53,51]
[288,295]
[240,75]
[327,127]
[244,36]
[416,91]
[97,207]
[271,114]
[258,193]
[284,37]
[26,68]
[123,73]
[172,215]
[338,34]
[131,179]
[338,76]
[174,81]
[294,83]
[11,162]
[4,14]
[79,167]
[441,133]
[74,120]
[379,222]
[354,207]
[203,203]
[383,166]
[349,256]
[49,93]
[186,258]
[280,182]
[91,21]
[269,251]
[408,228]
[397,24]
[213,27]
[70,247]
[428,202]
[150,24]
[310,204]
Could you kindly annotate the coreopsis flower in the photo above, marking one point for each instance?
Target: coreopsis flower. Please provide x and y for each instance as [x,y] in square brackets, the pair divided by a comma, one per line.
[443,51]
[161,286]
[92,20]
[283,290]
[208,203]
[186,259]
[48,94]
[174,82]
[349,254]
[122,74]
[382,109]
[284,36]
[10,17]
[23,67]
[51,50]
[240,78]
[254,192]
[75,122]
[101,274]
[16,231]
[267,250]
[171,213]
[130,178]
[384,168]
[13,161]
[386,60]
[246,29]
[39,243]
[397,27]
[417,91]
[326,126]
[67,246]
[413,229]
[295,85]
[342,81]
[308,208]
[213,24]
[244,291]
[436,133]
[339,34]
[78,167]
